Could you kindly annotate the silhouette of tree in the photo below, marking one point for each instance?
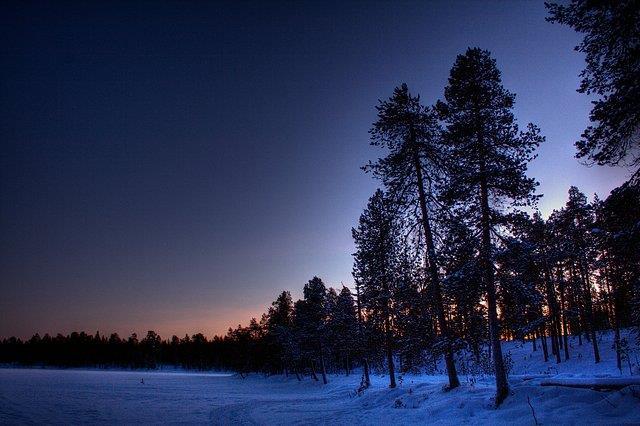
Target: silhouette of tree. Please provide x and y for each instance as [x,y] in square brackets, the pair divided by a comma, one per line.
[487,160]
[611,45]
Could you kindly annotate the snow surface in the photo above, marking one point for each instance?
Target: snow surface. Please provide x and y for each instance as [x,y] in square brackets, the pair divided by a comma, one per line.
[76,396]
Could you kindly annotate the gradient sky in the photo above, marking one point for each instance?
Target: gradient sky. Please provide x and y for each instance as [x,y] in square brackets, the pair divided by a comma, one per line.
[174,165]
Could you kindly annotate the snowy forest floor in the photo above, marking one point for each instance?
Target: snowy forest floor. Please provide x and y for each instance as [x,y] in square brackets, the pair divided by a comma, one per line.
[74,396]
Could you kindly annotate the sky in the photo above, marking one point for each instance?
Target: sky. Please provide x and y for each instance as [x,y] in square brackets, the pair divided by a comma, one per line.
[175,165]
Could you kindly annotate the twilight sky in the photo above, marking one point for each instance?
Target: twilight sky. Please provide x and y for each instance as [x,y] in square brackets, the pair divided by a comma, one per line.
[174,165]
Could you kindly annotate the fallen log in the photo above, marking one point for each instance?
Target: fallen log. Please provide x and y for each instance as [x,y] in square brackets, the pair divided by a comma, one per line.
[594,383]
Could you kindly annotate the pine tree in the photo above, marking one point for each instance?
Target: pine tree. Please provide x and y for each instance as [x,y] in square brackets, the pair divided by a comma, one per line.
[342,327]
[618,238]
[547,252]
[374,268]
[558,247]
[151,348]
[487,161]
[279,335]
[411,172]
[578,224]
[312,317]
[519,297]
[611,45]
[305,348]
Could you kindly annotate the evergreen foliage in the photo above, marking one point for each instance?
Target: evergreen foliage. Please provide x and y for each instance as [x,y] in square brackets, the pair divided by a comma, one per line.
[611,45]
[487,160]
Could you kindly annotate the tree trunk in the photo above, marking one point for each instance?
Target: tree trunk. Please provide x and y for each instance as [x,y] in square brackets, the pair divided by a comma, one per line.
[553,308]
[543,340]
[502,386]
[560,275]
[432,266]
[367,380]
[577,302]
[365,362]
[533,341]
[617,344]
[559,332]
[392,373]
[595,383]
[313,371]
[323,370]
[589,312]
[554,342]
[346,365]
[616,318]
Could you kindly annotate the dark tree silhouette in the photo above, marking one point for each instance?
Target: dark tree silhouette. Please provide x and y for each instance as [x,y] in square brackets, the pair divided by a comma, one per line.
[311,315]
[487,161]
[611,44]
[373,270]
[411,172]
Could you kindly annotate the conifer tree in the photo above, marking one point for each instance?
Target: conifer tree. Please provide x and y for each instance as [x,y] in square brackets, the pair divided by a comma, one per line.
[579,222]
[547,252]
[558,247]
[487,160]
[342,326]
[618,238]
[279,322]
[611,45]
[374,268]
[313,317]
[519,298]
[411,172]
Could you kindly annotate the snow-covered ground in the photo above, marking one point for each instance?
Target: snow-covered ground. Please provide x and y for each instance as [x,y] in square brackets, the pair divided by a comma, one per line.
[74,396]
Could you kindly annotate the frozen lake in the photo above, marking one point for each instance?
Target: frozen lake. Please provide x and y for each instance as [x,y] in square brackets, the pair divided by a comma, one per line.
[61,396]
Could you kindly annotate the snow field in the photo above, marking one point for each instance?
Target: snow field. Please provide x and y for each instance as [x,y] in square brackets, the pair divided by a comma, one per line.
[30,396]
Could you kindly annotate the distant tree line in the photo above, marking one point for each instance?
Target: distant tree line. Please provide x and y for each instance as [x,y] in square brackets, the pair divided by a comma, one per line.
[97,351]
[452,254]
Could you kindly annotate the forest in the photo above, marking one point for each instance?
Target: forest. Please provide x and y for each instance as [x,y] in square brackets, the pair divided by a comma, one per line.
[452,254]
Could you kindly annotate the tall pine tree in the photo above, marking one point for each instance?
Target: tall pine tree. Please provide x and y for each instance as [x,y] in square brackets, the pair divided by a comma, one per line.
[487,160]
[411,172]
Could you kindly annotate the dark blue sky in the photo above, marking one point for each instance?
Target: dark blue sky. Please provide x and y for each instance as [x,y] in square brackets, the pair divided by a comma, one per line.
[174,165]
